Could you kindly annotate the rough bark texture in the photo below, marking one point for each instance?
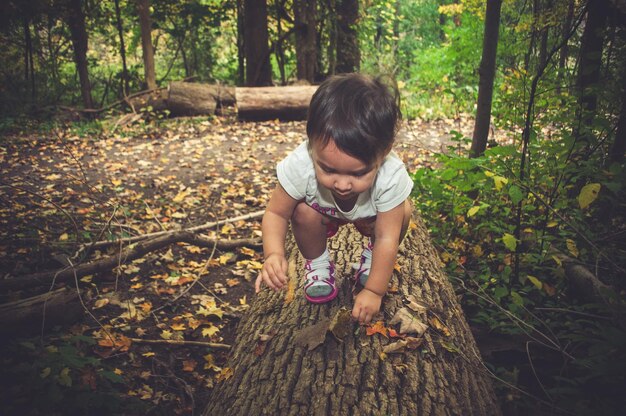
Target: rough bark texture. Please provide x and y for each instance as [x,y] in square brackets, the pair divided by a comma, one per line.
[76,23]
[258,69]
[191,99]
[348,52]
[285,103]
[349,377]
[143,10]
[306,36]
[487,71]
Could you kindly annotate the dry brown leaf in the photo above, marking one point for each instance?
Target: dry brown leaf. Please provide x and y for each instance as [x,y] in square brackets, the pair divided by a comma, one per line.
[408,323]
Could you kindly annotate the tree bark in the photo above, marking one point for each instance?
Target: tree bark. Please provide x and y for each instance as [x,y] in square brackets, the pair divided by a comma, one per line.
[258,69]
[268,103]
[619,144]
[120,31]
[190,99]
[78,31]
[487,73]
[348,52]
[143,10]
[345,373]
[590,65]
[306,38]
[241,55]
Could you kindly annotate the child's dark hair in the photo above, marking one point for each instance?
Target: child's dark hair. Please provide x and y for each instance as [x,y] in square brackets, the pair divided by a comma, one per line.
[359,113]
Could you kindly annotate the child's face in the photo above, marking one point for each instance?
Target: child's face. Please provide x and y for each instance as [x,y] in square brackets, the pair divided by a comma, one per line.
[344,175]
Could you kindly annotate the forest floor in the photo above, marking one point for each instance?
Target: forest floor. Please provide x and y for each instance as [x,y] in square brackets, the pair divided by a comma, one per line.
[63,188]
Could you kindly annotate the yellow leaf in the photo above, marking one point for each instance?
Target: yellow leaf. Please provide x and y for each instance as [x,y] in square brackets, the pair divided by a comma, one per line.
[180,197]
[211,310]
[472,211]
[166,334]
[210,331]
[148,354]
[242,301]
[101,303]
[552,224]
[226,258]
[118,371]
[535,281]
[225,374]
[477,251]
[227,229]
[498,181]
[571,247]
[178,326]
[588,194]
[63,237]
[247,251]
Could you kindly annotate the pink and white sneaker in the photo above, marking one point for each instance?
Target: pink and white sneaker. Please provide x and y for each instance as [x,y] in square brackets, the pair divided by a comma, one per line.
[320,281]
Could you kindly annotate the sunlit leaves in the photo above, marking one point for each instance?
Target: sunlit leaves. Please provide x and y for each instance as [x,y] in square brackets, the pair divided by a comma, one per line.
[509,241]
[588,194]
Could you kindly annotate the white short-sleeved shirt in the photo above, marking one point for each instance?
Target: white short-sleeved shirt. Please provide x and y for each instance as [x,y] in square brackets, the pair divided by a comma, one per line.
[391,186]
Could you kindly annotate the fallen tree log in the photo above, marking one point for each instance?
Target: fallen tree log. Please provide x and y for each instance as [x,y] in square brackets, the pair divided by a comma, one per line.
[295,358]
[193,99]
[26,316]
[268,103]
[110,262]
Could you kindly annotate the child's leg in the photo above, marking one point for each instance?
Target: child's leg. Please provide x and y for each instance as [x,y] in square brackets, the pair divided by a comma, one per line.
[365,263]
[309,230]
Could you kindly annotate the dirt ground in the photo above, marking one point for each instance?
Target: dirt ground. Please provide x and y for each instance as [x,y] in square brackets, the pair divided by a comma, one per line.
[63,189]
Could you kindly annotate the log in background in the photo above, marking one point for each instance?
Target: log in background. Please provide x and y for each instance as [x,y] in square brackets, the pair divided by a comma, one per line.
[349,377]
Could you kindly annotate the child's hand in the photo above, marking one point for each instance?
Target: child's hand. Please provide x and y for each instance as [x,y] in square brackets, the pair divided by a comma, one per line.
[273,273]
[366,305]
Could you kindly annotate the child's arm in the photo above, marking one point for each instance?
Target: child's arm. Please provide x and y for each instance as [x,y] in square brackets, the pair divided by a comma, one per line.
[387,231]
[274,227]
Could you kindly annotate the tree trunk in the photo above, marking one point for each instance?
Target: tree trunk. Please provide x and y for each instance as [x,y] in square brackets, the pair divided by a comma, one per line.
[78,31]
[241,56]
[564,53]
[331,51]
[143,10]
[619,145]
[120,31]
[589,68]
[306,38]
[348,52]
[268,103]
[487,73]
[258,69]
[270,372]
[190,99]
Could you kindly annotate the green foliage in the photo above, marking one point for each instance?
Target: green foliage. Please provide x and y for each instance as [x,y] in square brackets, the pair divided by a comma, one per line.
[511,278]
[56,378]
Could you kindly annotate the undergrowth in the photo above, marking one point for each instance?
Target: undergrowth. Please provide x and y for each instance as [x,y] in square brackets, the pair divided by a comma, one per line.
[567,351]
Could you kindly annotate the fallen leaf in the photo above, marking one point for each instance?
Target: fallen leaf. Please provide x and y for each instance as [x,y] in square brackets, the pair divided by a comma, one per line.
[408,323]
[232,282]
[436,323]
[101,303]
[189,365]
[377,328]
[166,334]
[210,331]
[341,324]
[178,326]
[415,305]
[225,374]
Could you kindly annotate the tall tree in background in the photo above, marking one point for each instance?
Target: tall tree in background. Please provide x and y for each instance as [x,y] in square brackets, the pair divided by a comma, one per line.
[306,38]
[120,31]
[348,52]
[590,65]
[487,72]
[78,32]
[257,53]
[241,45]
[143,10]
